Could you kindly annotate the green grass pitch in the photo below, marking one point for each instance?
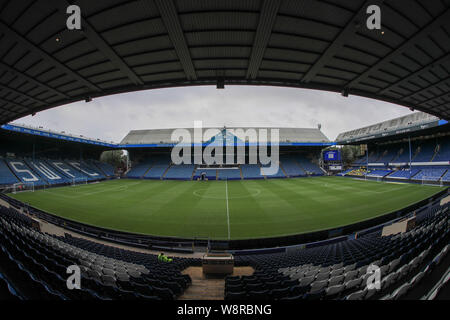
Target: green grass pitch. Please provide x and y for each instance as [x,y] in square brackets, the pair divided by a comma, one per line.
[241,209]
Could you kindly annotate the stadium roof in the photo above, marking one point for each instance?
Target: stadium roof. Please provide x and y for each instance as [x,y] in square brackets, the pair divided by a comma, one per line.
[129,45]
[231,136]
[408,124]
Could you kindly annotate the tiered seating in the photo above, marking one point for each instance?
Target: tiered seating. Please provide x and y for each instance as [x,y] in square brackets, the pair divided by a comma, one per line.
[404,174]
[36,264]
[180,172]
[444,152]
[426,152]
[156,171]
[139,170]
[378,173]
[357,172]
[251,171]
[404,156]
[105,167]
[228,174]
[291,167]
[446,176]
[430,174]
[278,174]
[25,173]
[389,156]
[339,270]
[89,172]
[308,166]
[67,170]
[46,172]
[6,176]
[211,174]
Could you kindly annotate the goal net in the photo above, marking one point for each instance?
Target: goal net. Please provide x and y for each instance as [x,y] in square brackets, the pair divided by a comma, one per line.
[79,181]
[432,181]
[23,187]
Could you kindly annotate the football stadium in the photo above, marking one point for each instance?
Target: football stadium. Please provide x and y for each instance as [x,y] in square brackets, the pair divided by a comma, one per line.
[225,213]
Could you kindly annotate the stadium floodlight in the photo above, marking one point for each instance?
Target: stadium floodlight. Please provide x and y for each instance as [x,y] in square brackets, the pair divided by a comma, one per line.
[23,187]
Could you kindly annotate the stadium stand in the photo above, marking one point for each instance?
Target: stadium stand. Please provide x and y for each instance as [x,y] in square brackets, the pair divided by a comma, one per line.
[378,173]
[308,166]
[339,270]
[425,151]
[444,151]
[89,172]
[291,167]
[25,174]
[433,174]
[43,172]
[36,264]
[139,170]
[6,176]
[278,174]
[404,174]
[251,171]
[67,170]
[180,172]
[106,168]
[46,172]
[156,171]
[228,174]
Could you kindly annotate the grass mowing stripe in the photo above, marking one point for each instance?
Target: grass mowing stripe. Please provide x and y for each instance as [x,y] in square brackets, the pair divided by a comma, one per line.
[261,208]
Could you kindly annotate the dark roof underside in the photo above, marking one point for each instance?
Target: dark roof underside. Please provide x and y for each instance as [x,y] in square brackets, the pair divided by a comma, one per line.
[136,45]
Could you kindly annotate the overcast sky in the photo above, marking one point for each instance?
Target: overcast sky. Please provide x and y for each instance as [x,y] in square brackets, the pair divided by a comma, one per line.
[111,118]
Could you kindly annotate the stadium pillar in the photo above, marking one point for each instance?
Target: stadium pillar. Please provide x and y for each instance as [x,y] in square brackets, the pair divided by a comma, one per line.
[367,160]
[409,141]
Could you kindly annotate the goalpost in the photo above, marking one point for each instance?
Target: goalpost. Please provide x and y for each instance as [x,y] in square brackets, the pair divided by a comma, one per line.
[23,187]
[431,181]
[79,181]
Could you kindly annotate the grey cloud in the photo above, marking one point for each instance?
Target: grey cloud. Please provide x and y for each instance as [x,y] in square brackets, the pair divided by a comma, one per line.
[110,118]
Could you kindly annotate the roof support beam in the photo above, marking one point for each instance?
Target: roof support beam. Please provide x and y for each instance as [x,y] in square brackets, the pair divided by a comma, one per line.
[24,95]
[31,80]
[97,41]
[338,42]
[408,44]
[441,96]
[169,16]
[431,86]
[422,70]
[267,19]
[13,103]
[45,56]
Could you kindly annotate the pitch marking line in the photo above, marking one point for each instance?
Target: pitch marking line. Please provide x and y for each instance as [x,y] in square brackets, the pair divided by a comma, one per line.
[228,211]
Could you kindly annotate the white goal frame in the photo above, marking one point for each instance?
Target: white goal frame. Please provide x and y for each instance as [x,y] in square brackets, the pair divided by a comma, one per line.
[23,187]
[432,182]
[79,181]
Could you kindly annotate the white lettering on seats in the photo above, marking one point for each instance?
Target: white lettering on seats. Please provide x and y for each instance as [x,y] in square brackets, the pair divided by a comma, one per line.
[32,177]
